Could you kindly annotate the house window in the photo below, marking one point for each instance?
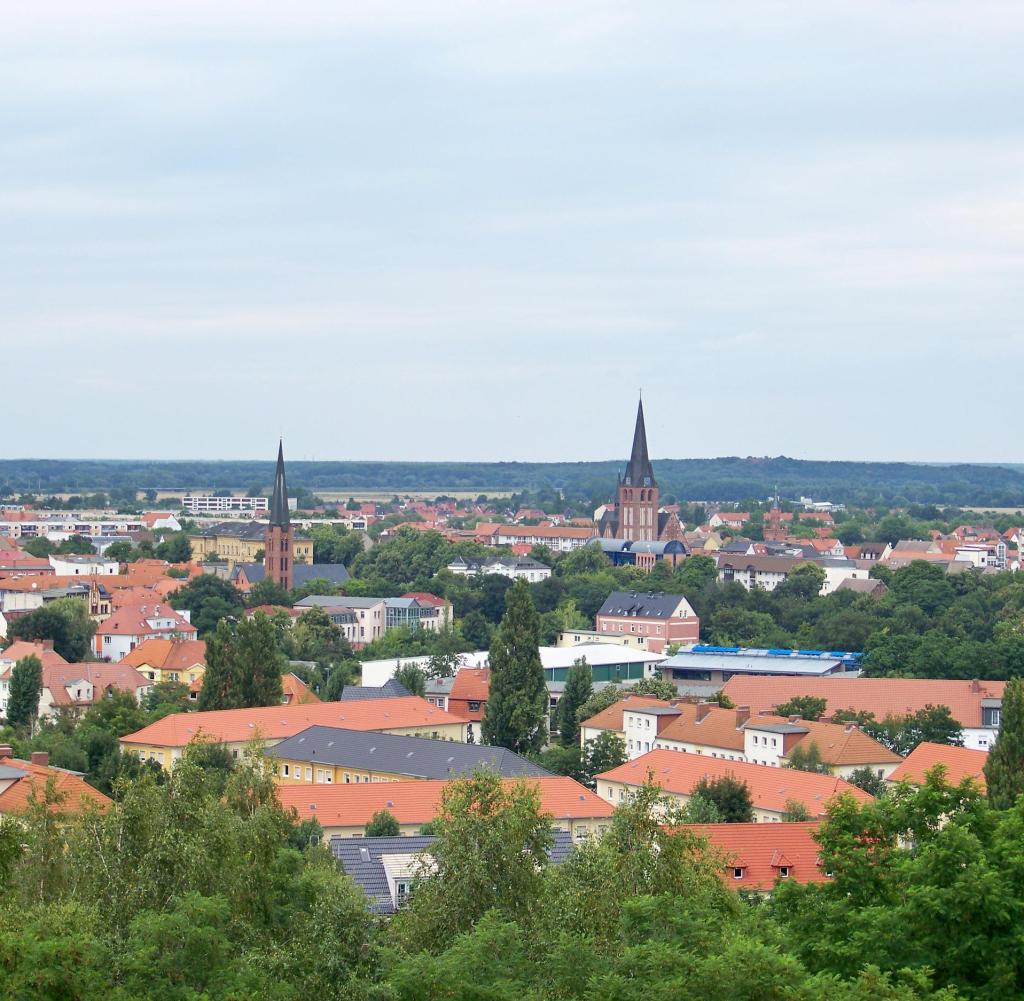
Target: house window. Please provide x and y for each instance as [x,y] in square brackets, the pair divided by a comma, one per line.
[581,832]
[309,774]
[783,872]
[474,707]
[737,872]
[287,770]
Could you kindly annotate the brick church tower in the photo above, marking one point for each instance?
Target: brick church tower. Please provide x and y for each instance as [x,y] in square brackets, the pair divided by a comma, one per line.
[637,506]
[279,540]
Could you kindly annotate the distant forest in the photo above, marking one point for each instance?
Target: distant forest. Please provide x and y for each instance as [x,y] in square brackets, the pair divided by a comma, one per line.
[723,479]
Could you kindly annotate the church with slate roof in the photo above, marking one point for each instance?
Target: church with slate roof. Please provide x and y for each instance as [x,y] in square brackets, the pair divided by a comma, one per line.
[279,540]
[637,515]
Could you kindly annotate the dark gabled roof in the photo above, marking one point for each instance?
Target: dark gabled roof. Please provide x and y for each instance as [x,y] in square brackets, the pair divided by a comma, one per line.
[279,500]
[416,757]
[362,860]
[391,689]
[302,573]
[650,606]
[235,530]
[639,472]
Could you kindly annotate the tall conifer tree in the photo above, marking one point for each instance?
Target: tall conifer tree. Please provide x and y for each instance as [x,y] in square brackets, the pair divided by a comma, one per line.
[517,703]
[578,688]
[1004,768]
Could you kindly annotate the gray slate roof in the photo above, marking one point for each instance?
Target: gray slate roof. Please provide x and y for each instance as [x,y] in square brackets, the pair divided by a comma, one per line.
[336,601]
[391,689]
[302,573]
[361,859]
[658,606]
[417,757]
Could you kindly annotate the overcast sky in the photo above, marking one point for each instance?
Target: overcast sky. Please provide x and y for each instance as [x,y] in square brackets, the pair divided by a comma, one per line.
[422,230]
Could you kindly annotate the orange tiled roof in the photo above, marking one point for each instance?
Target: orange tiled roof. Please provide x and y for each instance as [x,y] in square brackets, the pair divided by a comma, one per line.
[611,718]
[770,788]
[167,655]
[760,850]
[838,743]
[19,649]
[15,798]
[472,684]
[881,696]
[353,805]
[278,722]
[960,763]
[131,620]
[296,692]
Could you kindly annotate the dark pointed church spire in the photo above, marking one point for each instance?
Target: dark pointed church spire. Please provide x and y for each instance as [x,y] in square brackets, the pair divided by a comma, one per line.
[639,472]
[279,502]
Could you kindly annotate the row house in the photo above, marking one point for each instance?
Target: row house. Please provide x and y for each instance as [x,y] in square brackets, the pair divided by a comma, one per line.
[129,626]
[560,538]
[513,567]
[772,790]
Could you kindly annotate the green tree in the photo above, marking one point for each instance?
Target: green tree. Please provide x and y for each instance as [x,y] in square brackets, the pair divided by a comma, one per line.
[516,713]
[40,547]
[932,724]
[602,753]
[268,592]
[699,810]
[730,795]
[383,825]
[65,621]
[1004,767]
[123,552]
[244,667]
[804,581]
[795,812]
[578,688]
[490,855]
[600,701]
[209,599]
[412,678]
[656,688]
[315,637]
[175,548]
[76,545]
[869,780]
[808,759]
[807,707]
[26,686]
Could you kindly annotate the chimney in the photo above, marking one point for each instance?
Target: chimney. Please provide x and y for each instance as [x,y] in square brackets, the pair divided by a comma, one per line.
[742,715]
[6,750]
[703,708]
[794,719]
[47,644]
[41,758]
[975,685]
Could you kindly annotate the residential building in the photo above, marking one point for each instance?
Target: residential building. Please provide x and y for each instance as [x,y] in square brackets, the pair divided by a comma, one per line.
[165,740]
[167,660]
[242,542]
[79,686]
[766,572]
[975,705]
[718,664]
[468,694]
[663,619]
[772,790]
[514,567]
[345,810]
[637,515]
[706,728]
[385,869]
[76,566]
[760,856]
[326,755]
[959,763]
[21,782]
[365,619]
[131,625]
[560,538]
[575,637]
[210,504]
[294,691]
[872,587]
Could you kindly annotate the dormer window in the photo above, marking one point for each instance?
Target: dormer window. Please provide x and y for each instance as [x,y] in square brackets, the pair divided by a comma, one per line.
[783,872]
[738,872]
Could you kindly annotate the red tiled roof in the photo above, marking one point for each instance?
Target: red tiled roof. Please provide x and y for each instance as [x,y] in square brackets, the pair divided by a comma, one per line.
[278,722]
[99,674]
[472,684]
[15,798]
[760,850]
[131,621]
[881,696]
[424,598]
[353,805]
[611,718]
[960,763]
[770,788]
[20,649]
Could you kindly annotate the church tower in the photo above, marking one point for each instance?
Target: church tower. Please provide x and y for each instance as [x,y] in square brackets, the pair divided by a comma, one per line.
[637,508]
[279,540]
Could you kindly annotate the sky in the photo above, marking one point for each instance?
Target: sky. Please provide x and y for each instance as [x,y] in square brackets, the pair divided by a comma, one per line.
[425,230]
